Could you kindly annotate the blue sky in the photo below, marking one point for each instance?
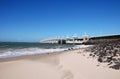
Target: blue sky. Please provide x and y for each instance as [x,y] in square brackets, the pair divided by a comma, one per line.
[27,20]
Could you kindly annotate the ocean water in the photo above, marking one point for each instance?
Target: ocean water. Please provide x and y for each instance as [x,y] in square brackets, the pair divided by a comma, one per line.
[13,49]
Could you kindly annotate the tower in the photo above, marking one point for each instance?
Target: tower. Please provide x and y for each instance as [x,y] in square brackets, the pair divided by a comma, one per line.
[74,38]
[67,38]
[85,38]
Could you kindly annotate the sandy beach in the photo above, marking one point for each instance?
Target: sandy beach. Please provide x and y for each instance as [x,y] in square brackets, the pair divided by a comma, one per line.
[73,64]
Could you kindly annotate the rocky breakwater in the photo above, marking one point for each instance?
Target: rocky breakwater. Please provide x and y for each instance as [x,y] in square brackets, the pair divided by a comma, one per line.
[107,52]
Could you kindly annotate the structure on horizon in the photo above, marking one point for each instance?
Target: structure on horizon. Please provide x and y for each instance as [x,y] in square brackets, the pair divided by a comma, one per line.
[74,40]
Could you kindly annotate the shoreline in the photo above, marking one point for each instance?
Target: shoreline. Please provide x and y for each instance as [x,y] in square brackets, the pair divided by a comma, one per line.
[33,55]
[72,64]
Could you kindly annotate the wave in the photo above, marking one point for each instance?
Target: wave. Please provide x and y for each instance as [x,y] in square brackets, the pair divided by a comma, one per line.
[27,51]
[81,46]
[8,53]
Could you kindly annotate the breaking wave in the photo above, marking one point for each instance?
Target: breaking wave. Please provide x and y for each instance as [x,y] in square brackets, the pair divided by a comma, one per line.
[27,51]
[12,52]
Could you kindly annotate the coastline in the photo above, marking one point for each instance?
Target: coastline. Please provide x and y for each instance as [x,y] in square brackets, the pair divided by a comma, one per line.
[72,64]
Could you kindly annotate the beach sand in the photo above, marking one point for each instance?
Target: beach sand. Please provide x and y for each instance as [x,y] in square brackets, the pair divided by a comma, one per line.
[72,64]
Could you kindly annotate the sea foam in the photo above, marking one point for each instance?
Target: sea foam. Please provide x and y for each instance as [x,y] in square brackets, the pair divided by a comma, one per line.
[8,53]
[27,51]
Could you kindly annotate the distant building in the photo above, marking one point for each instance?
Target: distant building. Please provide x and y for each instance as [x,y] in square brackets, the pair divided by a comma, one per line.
[50,41]
[85,39]
[68,40]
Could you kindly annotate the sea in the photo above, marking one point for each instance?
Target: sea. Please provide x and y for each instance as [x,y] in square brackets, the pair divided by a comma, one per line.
[14,49]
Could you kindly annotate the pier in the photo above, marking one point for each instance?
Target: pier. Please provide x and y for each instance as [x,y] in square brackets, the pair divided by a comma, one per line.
[84,40]
[73,40]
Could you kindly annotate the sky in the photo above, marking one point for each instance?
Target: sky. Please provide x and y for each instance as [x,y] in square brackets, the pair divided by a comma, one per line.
[35,20]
